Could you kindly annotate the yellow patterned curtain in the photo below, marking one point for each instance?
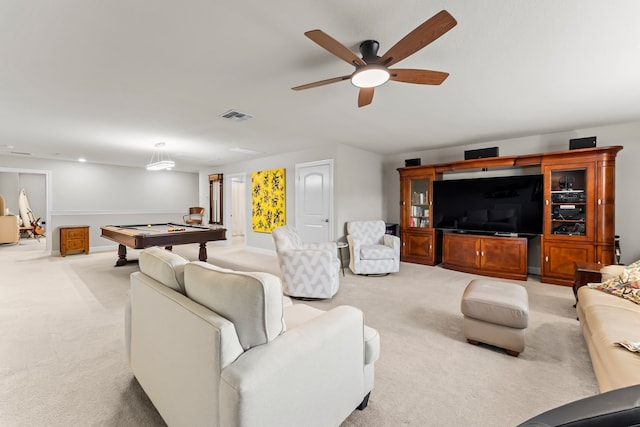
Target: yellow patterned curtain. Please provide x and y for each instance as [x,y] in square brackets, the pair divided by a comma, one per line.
[268,200]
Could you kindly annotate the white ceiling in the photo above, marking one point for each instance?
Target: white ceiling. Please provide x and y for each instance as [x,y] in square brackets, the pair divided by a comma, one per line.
[108,79]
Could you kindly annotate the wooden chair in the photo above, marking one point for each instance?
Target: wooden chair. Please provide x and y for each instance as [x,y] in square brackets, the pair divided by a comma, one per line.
[195,216]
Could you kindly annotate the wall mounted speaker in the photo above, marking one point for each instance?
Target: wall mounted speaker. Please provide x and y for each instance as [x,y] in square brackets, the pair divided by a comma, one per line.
[481,153]
[589,142]
[412,162]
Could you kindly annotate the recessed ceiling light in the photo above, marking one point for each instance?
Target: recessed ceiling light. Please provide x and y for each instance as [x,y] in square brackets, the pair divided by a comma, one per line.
[82,159]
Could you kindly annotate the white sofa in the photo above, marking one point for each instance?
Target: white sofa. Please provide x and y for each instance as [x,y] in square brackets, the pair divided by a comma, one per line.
[605,319]
[216,347]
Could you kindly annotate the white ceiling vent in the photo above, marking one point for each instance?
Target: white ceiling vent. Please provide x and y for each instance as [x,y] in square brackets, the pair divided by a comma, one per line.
[236,115]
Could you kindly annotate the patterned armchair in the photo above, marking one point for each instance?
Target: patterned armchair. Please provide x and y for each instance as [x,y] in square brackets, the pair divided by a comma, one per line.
[309,270]
[372,251]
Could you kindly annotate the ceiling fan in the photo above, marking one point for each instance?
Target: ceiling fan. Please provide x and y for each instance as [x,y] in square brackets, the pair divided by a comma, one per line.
[372,70]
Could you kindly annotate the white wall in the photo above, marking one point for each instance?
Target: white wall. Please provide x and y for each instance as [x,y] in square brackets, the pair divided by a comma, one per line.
[10,190]
[357,186]
[627,171]
[264,241]
[97,195]
[358,189]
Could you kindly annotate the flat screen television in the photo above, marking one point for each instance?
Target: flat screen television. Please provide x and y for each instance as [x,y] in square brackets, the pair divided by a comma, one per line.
[510,204]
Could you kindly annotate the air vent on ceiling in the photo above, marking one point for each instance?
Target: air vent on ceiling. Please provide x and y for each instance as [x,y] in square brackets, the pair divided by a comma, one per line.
[236,115]
[21,153]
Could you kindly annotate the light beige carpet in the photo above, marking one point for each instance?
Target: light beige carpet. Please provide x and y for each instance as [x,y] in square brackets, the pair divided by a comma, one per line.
[62,359]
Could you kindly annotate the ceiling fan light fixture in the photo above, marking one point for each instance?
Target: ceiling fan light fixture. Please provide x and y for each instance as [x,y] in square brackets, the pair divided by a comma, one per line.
[372,75]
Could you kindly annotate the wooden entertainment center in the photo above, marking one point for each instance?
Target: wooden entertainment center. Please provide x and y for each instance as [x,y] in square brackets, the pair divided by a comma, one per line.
[578,212]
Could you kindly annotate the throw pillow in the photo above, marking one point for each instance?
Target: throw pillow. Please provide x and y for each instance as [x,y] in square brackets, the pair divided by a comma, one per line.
[626,285]
[164,266]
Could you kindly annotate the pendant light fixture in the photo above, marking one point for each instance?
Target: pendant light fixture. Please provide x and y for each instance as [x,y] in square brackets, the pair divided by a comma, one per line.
[160,159]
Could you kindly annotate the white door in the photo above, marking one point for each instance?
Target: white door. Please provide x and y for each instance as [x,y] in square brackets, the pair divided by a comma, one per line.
[314,198]
[237,207]
[233,212]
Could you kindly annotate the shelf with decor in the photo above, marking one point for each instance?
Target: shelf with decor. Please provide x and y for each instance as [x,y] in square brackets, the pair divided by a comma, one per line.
[416,232]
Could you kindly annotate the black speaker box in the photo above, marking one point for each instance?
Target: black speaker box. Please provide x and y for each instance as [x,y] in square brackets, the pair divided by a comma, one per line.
[589,142]
[481,153]
[412,162]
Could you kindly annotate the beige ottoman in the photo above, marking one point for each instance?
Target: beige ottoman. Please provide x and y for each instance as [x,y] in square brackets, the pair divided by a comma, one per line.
[495,313]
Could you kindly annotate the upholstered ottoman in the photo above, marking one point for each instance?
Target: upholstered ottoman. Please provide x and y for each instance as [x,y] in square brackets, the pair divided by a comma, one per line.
[495,313]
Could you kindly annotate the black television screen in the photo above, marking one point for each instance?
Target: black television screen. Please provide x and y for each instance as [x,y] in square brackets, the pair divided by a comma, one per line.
[511,204]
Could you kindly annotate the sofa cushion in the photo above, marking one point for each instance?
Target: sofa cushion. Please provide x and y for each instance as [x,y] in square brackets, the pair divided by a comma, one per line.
[610,271]
[376,252]
[252,301]
[163,266]
[367,232]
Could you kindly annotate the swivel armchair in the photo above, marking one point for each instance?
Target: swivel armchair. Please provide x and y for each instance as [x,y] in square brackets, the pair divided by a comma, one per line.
[308,270]
[372,250]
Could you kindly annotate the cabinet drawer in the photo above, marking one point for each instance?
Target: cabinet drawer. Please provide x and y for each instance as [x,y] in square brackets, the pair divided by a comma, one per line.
[75,233]
[75,244]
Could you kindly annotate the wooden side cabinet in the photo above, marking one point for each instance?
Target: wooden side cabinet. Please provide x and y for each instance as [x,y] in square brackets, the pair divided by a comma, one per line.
[419,246]
[74,238]
[420,241]
[578,212]
[504,257]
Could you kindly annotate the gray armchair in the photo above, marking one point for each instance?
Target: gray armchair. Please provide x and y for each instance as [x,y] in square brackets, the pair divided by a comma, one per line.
[309,270]
[372,251]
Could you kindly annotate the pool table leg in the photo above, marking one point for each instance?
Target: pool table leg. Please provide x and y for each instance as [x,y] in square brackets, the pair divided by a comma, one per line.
[122,256]
[202,255]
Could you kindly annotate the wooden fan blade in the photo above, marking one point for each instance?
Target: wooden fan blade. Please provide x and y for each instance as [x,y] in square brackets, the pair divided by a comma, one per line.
[365,96]
[322,83]
[421,77]
[424,34]
[332,45]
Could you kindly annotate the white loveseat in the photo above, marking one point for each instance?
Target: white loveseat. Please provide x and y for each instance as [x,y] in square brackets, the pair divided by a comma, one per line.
[216,347]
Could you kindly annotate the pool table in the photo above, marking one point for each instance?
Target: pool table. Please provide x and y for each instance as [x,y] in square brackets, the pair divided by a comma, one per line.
[144,235]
